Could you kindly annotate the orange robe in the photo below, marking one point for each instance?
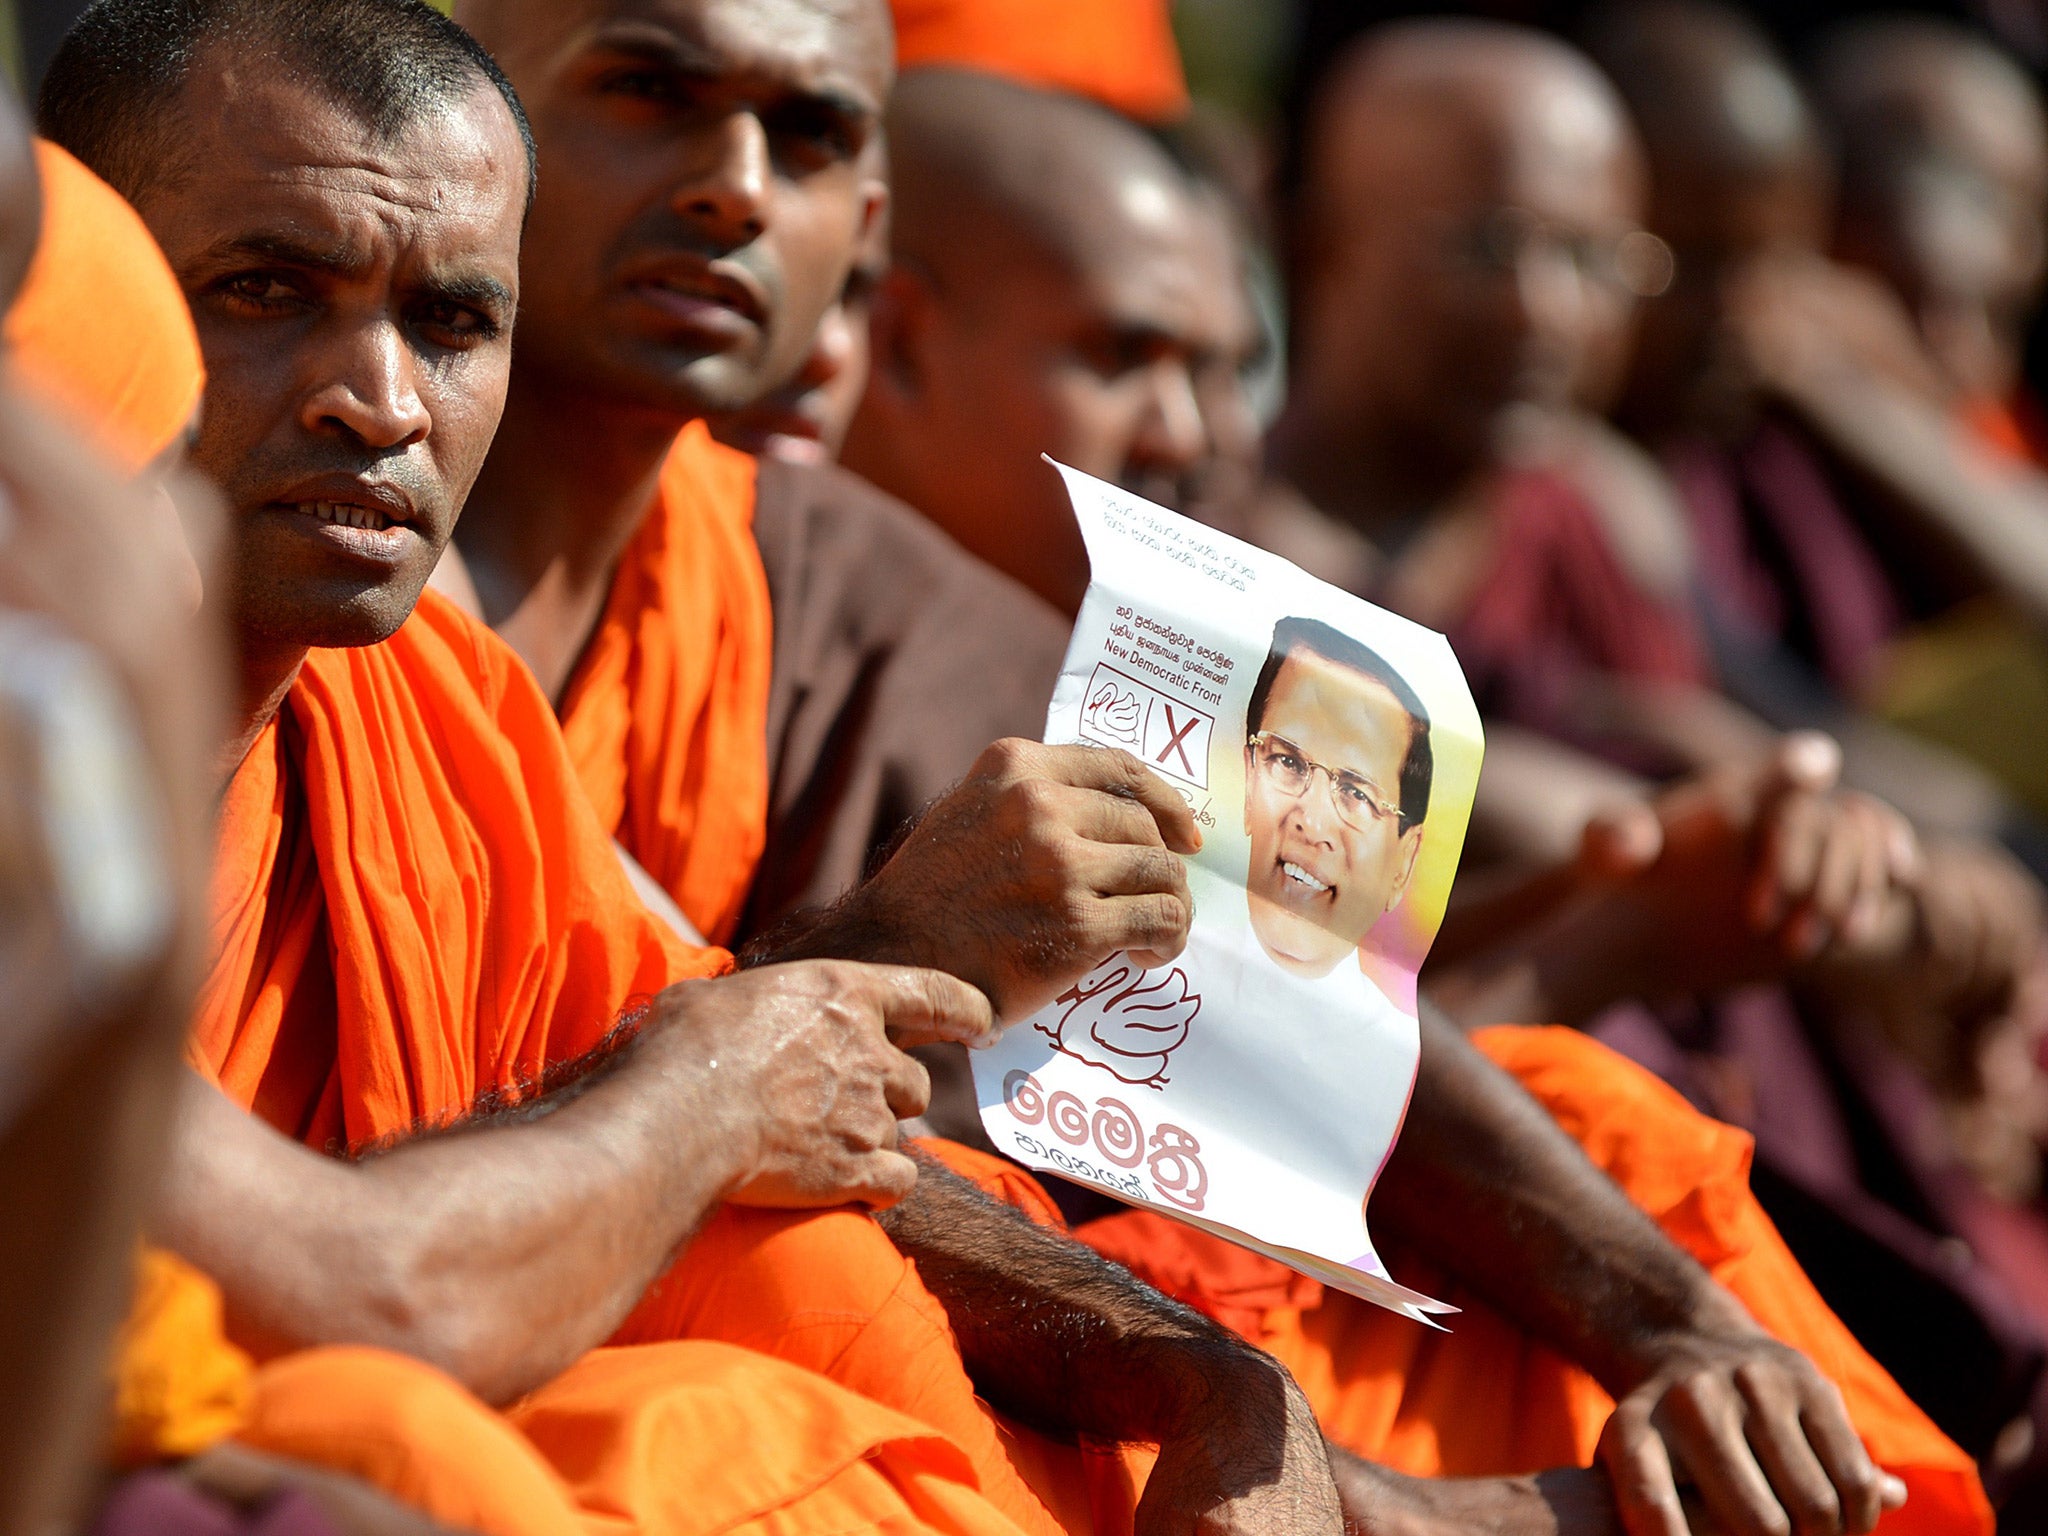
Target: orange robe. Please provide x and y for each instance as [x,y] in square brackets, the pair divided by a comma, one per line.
[792,1452]
[1485,1399]
[100,331]
[667,714]
[1121,53]
[414,906]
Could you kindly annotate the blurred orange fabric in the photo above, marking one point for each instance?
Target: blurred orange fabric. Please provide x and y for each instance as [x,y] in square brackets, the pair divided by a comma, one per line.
[100,331]
[1121,53]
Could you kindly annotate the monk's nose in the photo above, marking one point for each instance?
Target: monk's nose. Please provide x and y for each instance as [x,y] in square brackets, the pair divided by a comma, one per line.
[372,393]
[730,196]
[1172,434]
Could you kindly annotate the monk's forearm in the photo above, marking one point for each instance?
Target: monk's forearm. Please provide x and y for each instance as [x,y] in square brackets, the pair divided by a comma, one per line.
[1064,1340]
[1486,1185]
[1565,1502]
[496,1253]
[1983,514]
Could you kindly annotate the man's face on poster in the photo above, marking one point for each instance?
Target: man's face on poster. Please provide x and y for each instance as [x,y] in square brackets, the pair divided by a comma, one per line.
[1329,857]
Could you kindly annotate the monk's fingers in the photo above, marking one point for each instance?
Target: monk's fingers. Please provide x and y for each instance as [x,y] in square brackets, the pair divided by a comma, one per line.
[1127,870]
[1804,1490]
[919,1006]
[1639,1467]
[1789,862]
[881,1180]
[1104,817]
[1151,927]
[906,1089]
[1864,1491]
[1118,773]
[1703,1423]
[1851,860]
[1807,762]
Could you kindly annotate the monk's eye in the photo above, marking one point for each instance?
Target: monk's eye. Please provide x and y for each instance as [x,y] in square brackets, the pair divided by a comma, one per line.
[453,324]
[651,85]
[812,135]
[258,293]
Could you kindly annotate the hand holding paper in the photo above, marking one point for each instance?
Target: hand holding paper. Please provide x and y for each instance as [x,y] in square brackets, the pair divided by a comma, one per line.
[1040,864]
[1252,1082]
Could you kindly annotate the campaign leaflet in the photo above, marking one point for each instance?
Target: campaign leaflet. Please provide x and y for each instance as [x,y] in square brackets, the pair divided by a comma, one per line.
[1329,750]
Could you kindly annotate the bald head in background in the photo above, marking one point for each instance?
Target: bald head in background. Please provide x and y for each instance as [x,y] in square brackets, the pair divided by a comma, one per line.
[1944,157]
[1462,233]
[1739,174]
[1061,286]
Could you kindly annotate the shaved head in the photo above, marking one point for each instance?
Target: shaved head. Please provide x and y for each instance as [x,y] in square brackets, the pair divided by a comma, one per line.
[1707,89]
[1466,214]
[1739,174]
[981,163]
[1944,162]
[1409,94]
[1062,286]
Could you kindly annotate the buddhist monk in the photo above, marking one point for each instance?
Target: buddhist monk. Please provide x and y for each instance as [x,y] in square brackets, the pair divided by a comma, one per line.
[409,758]
[1943,147]
[119,702]
[1760,331]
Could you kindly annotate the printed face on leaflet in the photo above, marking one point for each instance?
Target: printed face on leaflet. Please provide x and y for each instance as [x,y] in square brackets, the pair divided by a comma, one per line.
[1337,768]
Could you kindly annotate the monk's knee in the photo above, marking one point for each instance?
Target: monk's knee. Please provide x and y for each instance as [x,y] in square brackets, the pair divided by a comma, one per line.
[411,1431]
[752,1276]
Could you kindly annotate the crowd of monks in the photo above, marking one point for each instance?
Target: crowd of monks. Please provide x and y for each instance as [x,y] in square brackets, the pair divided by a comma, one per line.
[528,596]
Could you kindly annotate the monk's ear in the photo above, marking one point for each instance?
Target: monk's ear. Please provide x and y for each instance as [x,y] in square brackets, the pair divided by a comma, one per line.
[900,331]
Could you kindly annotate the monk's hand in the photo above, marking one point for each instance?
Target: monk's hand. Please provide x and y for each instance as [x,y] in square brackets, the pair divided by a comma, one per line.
[813,1054]
[1742,874]
[1042,863]
[1747,1429]
[1248,1459]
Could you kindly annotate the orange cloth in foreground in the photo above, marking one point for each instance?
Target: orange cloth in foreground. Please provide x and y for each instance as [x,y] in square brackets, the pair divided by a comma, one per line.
[667,715]
[414,905]
[713,1439]
[100,331]
[1121,53]
[1485,1399]
[179,1385]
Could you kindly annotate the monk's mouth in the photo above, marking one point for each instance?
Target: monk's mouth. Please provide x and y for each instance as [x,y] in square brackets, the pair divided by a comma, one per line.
[695,312]
[364,532]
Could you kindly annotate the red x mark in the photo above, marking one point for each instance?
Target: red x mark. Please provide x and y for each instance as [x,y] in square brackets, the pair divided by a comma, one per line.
[1174,742]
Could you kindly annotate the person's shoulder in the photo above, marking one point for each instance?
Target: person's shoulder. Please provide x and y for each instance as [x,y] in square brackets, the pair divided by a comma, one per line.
[826,535]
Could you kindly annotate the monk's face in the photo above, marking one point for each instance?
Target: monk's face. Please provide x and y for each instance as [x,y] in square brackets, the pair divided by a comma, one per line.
[1472,262]
[1123,357]
[1328,856]
[1689,369]
[354,296]
[702,193]
[1958,226]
